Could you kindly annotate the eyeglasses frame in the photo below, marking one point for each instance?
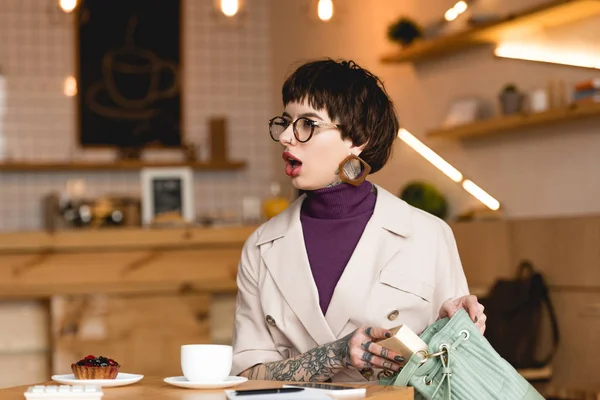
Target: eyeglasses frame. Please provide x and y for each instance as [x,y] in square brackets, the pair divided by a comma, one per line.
[314,124]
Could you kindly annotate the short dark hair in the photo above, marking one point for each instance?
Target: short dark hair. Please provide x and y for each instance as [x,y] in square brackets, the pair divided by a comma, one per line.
[353,96]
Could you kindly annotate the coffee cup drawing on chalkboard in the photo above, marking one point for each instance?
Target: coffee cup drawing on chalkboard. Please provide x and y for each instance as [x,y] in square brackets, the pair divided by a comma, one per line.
[134,79]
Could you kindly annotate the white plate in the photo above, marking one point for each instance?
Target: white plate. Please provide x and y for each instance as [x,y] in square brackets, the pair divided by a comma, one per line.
[122,379]
[181,381]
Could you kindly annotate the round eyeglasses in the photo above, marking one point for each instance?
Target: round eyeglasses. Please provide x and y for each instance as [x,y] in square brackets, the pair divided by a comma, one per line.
[303,128]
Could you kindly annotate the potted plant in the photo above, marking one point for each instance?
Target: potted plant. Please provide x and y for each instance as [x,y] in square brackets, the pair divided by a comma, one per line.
[511,99]
[404,31]
[426,197]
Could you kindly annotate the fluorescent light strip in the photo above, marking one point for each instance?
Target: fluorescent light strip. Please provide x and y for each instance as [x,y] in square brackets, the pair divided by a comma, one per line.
[448,169]
[540,53]
[430,155]
[481,195]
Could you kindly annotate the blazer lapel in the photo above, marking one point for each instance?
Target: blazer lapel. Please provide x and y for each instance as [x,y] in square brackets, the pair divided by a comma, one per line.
[383,237]
[287,262]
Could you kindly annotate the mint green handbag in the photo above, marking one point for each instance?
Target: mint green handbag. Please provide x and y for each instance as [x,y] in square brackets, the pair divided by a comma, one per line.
[461,365]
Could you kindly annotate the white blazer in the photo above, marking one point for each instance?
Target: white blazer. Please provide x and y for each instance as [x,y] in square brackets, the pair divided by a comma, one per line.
[404,267]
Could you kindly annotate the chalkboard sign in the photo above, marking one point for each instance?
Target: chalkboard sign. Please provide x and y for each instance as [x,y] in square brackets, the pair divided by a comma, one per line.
[167,195]
[129,73]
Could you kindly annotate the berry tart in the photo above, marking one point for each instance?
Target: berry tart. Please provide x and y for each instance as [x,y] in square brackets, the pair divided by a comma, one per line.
[92,367]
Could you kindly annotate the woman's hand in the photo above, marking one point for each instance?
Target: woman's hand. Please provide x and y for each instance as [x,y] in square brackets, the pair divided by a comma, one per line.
[361,351]
[469,303]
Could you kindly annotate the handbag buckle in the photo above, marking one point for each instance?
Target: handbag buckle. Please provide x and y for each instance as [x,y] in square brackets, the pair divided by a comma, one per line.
[427,355]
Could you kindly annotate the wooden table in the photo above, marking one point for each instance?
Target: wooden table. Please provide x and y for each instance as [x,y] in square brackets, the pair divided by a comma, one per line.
[153,388]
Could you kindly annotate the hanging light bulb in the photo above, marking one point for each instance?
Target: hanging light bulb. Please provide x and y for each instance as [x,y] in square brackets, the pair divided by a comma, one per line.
[460,7]
[67,5]
[325,10]
[230,7]
[453,13]
[70,86]
[450,15]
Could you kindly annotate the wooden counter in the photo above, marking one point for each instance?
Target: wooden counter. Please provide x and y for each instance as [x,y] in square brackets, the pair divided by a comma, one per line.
[39,264]
[134,294]
[153,388]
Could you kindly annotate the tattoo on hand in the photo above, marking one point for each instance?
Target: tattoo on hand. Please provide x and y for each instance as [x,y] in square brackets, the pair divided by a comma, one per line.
[384,352]
[368,331]
[366,345]
[316,365]
[367,357]
[387,365]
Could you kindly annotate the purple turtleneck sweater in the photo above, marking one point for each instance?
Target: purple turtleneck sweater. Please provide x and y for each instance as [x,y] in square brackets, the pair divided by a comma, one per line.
[333,220]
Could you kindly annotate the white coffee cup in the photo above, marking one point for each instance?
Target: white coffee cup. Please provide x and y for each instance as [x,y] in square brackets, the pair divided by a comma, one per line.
[206,362]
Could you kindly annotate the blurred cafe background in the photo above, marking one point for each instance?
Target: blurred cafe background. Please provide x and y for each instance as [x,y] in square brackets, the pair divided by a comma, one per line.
[135,161]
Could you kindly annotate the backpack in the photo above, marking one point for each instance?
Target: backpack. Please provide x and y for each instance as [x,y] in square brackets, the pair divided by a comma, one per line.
[514,310]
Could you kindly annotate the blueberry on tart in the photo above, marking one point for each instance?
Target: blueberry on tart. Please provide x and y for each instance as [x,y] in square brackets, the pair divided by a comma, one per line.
[92,367]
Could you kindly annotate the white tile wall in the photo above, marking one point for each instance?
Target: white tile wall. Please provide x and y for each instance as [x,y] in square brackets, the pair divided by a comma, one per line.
[227,72]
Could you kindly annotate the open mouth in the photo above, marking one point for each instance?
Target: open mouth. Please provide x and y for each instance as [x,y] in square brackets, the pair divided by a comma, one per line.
[292,164]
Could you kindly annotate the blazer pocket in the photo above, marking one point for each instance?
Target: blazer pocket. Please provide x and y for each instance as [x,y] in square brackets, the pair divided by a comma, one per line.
[406,283]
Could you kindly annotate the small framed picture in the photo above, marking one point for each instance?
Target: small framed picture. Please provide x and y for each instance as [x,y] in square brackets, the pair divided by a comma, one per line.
[463,111]
[167,195]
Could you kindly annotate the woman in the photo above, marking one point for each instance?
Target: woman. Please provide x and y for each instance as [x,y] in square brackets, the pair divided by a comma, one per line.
[324,280]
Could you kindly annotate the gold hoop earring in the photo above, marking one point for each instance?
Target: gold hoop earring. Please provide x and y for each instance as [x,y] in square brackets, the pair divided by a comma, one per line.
[346,164]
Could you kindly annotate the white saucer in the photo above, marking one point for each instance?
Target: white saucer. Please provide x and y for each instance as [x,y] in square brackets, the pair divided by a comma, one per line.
[122,379]
[181,381]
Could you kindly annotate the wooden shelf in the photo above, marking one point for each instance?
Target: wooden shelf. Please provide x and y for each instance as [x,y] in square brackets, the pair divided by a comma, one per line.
[514,26]
[115,166]
[518,121]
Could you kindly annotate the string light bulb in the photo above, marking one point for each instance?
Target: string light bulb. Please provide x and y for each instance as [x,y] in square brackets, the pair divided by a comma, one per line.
[325,10]
[67,5]
[448,170]
[230,7]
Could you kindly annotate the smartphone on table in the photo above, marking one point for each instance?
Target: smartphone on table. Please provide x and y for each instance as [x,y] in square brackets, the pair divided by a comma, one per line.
[333,390]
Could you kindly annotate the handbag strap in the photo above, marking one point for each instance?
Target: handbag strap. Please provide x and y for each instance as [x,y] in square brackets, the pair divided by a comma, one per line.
[553,322]
[526,266]
[408,370]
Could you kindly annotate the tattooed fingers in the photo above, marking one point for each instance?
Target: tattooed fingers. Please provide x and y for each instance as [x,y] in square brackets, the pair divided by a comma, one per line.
[367,357]
[364,352]
[377,333]
[370,360]
[383,352]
